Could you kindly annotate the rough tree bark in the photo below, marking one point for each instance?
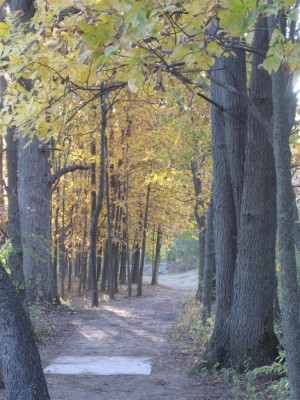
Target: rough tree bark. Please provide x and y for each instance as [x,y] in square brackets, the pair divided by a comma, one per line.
[224,229]
[15,258]
[286,239]
[22,369]
[252,337]
[244,212]
[35,204]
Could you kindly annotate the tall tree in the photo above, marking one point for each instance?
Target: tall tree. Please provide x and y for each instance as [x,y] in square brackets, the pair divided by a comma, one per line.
[244,317]
[283,101]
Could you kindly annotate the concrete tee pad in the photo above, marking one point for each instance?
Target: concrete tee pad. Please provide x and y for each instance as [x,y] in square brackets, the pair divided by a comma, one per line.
[99,365]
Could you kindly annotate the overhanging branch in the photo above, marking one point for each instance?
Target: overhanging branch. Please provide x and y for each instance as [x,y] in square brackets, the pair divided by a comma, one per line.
[65,170]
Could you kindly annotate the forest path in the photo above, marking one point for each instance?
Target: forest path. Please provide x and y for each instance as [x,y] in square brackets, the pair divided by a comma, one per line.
[136,327]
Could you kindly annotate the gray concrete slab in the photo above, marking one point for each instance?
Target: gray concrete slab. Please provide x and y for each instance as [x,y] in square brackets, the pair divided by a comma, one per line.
[99,365]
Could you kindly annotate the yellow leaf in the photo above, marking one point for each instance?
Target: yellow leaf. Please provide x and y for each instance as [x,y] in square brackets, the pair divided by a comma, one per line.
[4,31]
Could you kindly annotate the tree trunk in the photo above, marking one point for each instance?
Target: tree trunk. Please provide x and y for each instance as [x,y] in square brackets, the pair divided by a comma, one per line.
[34,200]
[104,269]
[286,239]
[15,258]
[224,231]
[62,247]
[98,207]
[110,263]
[56,247]
[129,270]
[35,205]
[154,280]
[145,225]
[135,262]
[252,334]
[209,265]
[22,369]
[122,275]
[200,219]
[296,224]
[99,263]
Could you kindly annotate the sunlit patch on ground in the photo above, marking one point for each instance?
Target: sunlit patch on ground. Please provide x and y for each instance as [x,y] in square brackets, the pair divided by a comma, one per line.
[97,365]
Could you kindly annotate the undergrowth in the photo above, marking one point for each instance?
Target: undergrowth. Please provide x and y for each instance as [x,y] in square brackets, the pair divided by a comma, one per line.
[264,383]
[190,324]
[42,328]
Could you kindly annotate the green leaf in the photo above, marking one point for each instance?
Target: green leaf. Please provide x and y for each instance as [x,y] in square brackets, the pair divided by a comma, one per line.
[4,31]
[272,64]
[289,3]
[181,51]
[277,37]
[214,49]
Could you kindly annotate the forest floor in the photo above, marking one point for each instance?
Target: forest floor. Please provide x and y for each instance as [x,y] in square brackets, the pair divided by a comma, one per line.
[136,327]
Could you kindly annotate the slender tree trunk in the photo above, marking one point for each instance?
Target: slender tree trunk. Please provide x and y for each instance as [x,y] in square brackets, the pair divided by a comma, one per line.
[62,248]
[145,225]
[277,310]
[122,275]
[99,205]
[99,262]
[135,262]
[83,258]
[104,269]
[209,265]
[129,277]
[200,222]
[70,273]
[154,280]
[15,259]
[110,263]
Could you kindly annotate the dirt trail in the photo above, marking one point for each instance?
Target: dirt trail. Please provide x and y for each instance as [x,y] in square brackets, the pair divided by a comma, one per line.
[139,327]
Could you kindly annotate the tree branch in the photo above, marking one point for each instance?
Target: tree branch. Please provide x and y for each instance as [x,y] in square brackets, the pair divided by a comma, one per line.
[65,170]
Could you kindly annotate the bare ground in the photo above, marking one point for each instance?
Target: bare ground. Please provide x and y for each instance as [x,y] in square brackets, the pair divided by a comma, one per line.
[141,327]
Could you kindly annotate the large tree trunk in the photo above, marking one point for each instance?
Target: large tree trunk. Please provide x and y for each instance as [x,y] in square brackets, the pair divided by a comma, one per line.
[35,206]
[252,334]
[34,194]
[224,231]
[22,369]
[244,212]
[285,220]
